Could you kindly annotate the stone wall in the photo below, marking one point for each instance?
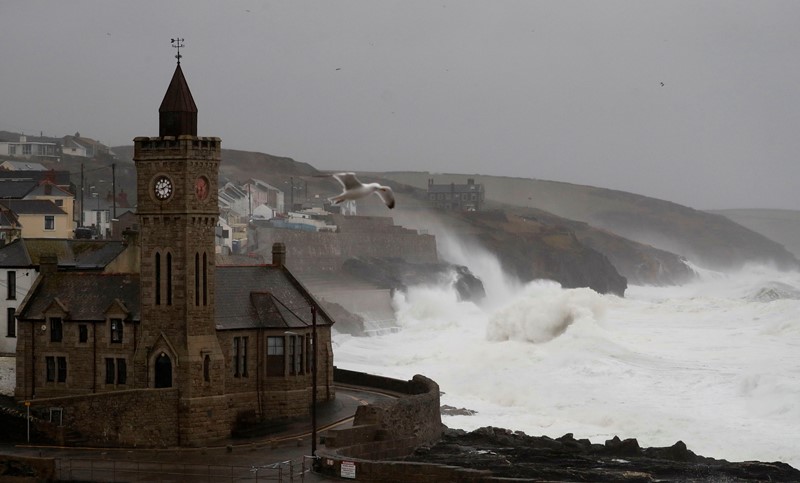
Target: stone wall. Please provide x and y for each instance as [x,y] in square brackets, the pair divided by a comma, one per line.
[116,418]
[364,237]
[386,429]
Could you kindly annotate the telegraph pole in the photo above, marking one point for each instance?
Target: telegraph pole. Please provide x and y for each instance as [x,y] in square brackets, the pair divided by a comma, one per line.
[113,191]
[82,188]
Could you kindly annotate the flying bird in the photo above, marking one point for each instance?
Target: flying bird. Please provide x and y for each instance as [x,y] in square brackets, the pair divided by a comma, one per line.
[355,189]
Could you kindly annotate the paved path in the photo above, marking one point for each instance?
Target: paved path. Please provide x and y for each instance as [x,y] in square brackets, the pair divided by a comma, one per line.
[258,459]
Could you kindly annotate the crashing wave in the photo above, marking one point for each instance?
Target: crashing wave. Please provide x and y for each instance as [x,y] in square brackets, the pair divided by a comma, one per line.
[775,291]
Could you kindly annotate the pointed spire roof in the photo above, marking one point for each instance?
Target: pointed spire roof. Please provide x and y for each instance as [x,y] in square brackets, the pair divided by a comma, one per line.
[178,112]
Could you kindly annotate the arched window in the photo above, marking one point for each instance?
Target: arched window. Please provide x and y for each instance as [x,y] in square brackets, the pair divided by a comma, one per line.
[158,278]
[169,279]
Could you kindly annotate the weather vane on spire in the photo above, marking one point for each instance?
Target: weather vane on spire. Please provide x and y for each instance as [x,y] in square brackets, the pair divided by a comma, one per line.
[177,42]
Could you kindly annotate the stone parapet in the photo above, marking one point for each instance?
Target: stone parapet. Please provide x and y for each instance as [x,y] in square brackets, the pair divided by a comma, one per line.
[389,429]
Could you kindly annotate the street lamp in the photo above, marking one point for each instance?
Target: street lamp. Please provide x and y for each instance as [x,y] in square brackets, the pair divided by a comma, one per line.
[313,381]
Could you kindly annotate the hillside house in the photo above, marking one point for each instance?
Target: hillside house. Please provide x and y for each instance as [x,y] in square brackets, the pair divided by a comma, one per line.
[261,193]
[83,147]
[39,218]
[25,149]
[456,197]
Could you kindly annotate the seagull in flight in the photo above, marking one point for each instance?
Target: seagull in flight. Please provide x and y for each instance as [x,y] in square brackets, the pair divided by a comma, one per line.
[355,189]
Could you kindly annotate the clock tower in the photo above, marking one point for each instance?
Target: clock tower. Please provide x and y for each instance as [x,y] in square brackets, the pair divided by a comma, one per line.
[176,183]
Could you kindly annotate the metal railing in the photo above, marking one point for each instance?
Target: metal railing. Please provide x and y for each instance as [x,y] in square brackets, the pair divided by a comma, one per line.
[77,469]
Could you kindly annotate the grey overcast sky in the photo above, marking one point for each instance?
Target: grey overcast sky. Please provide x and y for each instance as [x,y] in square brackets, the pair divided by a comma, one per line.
[695,102]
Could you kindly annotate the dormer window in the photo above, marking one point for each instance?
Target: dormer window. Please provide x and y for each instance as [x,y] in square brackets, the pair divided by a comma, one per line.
[116,331]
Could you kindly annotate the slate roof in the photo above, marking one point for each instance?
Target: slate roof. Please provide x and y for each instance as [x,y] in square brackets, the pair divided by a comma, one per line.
[16,189]
[85,295]
[72,254]
[263,296]
[59,177]
[33,207]
[41,190]
[25,166]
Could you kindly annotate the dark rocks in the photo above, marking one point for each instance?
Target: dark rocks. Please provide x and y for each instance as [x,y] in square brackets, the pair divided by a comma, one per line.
[510,454]
[453,411]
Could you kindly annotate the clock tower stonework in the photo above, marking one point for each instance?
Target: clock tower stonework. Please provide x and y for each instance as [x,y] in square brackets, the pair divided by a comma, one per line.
[176,182]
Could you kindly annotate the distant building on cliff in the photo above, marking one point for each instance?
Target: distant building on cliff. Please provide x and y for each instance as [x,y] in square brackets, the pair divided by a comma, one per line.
[456,197]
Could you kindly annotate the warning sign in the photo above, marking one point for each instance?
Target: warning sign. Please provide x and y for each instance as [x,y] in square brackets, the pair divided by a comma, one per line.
[348,469]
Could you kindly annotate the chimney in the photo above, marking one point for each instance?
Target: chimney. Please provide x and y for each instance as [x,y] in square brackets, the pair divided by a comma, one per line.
[48,264]
[278,254]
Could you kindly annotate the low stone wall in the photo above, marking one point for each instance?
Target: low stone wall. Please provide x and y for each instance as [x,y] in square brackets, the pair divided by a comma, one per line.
[116,418]
[387,429]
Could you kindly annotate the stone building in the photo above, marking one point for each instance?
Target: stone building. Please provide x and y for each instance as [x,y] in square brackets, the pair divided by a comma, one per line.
[456,197]
[181,350]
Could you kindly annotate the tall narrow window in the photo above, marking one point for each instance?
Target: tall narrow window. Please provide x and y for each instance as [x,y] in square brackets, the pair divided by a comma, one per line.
[111,371]
[122,371]
[244,356]
[56,329]
[12,285]
[83,333]
[300,345]
[169,279]
[275,362]
[207,368]
[62,369]
[205,281]
[12,323]
[158,279]
[308,351]
[197,279]
[236,349]
[116,331]
[50,369]
[296,351]
[292,354]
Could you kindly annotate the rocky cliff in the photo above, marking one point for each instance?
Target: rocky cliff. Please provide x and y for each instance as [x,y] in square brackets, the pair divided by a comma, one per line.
[530,249]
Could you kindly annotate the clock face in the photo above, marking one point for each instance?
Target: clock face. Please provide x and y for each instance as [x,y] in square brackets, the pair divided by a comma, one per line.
[162,188]
[201,188]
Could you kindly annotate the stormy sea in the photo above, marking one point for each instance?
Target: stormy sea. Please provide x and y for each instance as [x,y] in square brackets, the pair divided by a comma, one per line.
[714,363]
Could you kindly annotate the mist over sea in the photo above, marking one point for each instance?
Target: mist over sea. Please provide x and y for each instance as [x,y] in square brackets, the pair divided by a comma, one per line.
[714,363]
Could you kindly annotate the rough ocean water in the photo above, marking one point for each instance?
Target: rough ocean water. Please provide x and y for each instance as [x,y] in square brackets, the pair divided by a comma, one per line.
[714,363]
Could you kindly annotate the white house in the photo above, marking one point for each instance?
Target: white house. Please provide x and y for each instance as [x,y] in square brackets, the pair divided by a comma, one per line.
[261,193]
[28,149]
[223,241]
